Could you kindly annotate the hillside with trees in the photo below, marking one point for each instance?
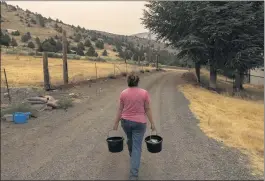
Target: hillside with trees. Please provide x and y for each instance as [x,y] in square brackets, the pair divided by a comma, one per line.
[34,33]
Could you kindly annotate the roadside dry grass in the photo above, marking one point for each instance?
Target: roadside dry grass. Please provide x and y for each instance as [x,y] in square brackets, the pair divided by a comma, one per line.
[27,71]
[236,122]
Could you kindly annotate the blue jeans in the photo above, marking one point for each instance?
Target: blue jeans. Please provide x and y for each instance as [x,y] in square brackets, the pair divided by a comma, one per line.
[135,133]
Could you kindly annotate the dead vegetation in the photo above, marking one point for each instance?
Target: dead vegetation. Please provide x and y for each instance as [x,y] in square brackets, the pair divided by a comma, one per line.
[21,107]
[65,103]
[35,105]
[27,71]
[111,76]
[189,77]
[236,120]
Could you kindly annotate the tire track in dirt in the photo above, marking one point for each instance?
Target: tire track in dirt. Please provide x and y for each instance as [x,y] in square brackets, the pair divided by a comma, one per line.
[77,149]
[65,136]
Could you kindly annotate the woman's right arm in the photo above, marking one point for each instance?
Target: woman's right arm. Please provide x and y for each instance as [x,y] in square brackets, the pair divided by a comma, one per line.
[148,112]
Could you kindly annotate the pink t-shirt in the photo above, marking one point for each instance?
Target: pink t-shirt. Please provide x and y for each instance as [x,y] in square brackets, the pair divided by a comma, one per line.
[133,100]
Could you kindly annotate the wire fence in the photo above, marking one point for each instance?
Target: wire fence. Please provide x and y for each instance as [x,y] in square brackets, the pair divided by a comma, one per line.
[28,70]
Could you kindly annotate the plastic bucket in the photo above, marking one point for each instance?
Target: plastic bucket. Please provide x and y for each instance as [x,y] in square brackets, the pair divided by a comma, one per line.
[20,117]
[154,143]
[115,144]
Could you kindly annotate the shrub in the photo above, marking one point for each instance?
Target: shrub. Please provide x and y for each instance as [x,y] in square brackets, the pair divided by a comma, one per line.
[142,71]
[147,70]
[55,26]
[80,49]
[33,21]
[59,29]
[47,46]
[91,52]
[54,55]
[31,44]
[80,52]
[65,103]
[87,43]
[59,46]
[114,50]
[99,59]
[5,39]
[99,44]
[31,54]
[12,8]
[41,20]
[26,37]
[38,43]
[93,38]
[124,74]
[80,46]
[13,42]
[73,56]
[23,107]
[38,54]
[111,76]
[12,52]
[105,53]
[15,33]
[77,37]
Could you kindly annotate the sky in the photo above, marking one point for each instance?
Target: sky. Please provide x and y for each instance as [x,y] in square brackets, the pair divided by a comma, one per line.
[118,17]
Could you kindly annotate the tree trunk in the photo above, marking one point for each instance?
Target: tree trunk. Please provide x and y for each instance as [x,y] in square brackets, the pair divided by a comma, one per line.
[156,61]
[213,78]
[198,71]
[242,77]
[239,81]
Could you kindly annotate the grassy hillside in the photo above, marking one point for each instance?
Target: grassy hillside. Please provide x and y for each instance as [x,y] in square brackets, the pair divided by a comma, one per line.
[25,21]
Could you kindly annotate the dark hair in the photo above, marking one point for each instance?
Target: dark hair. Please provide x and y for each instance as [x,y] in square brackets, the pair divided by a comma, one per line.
[133,80]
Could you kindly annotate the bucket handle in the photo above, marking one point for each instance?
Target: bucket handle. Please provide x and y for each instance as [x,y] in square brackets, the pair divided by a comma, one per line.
[110,131]
[151,133]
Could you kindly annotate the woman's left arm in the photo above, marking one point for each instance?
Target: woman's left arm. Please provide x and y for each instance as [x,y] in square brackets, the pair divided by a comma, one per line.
[118,116]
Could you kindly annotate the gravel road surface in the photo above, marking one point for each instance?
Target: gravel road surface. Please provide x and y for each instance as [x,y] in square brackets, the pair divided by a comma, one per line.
[72,145]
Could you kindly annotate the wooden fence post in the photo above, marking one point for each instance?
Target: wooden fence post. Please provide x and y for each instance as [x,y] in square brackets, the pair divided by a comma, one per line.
[47,85]
[65,66]
[96,68]
[7,87]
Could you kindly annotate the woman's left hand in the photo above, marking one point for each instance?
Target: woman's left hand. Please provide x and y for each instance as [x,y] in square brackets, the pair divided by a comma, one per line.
[116,125]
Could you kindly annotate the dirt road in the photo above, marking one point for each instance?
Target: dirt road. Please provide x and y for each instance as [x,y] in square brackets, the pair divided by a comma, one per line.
[71,145]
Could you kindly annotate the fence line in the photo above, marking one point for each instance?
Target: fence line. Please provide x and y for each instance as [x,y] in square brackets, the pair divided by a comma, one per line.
[28,71]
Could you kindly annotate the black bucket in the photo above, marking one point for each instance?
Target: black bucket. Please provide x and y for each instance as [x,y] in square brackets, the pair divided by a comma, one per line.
[115,144]
[154,146]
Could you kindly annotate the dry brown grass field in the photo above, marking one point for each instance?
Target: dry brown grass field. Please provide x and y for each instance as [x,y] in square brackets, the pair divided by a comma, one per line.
[235,121]
[27,70]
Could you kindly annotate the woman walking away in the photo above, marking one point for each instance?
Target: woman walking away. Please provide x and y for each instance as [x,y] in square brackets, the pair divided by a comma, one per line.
[134,105]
